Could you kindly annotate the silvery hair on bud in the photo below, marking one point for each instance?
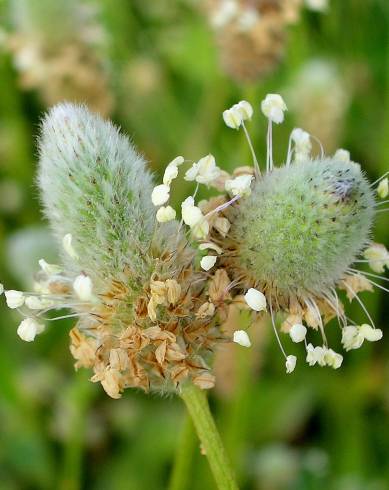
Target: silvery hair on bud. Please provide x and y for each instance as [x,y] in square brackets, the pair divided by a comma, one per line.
[95,186]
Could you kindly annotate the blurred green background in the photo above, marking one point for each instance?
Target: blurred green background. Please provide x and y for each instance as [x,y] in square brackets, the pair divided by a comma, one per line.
[152,66]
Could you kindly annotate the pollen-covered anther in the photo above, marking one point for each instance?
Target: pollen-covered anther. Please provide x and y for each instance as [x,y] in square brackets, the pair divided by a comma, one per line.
[194,218]
[83,287]
[240,185]
[255,299]
[298,332]
[208,262]
[160,194]
[290,364]
[383,188]
[204,171]
[165,214]
[14,298]
[353,336]
[378,257]
[302,144]
[29,329]
[171,171]
[342,155]
[273,107]
[241,337]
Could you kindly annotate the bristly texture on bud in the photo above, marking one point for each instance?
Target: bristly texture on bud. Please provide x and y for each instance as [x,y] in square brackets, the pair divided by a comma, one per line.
[303,225]
[95,186]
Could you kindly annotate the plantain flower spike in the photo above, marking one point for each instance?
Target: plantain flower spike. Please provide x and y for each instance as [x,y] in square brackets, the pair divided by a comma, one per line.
[152,295]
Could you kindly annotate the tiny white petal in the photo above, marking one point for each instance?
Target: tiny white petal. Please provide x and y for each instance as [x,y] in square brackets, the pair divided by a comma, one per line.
[83,287]
[208,262]
[165,214]
[233,118]
[240,185]
[1,289]
[68,247]
[255,299]
[160,194]
[383,188]
[298,332]
[14,299]
[29,328]
[290,364]
[273,107]
[241,337]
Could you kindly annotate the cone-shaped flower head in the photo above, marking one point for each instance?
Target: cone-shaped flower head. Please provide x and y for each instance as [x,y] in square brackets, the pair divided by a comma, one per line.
[304,224]
[95,187]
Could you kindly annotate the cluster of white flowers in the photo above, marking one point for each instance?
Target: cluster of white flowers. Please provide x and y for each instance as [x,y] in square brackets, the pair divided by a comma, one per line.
[353,336]
[235,116]
[34,304]
[323,356]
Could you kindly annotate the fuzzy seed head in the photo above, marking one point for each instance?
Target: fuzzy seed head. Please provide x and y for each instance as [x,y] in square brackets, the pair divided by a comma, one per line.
[303,225]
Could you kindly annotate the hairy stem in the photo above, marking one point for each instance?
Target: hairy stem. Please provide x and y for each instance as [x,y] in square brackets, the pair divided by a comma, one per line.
[196,402]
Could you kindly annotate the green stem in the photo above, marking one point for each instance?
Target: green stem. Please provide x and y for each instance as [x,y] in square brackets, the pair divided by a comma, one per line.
[180,476]
[196,402]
